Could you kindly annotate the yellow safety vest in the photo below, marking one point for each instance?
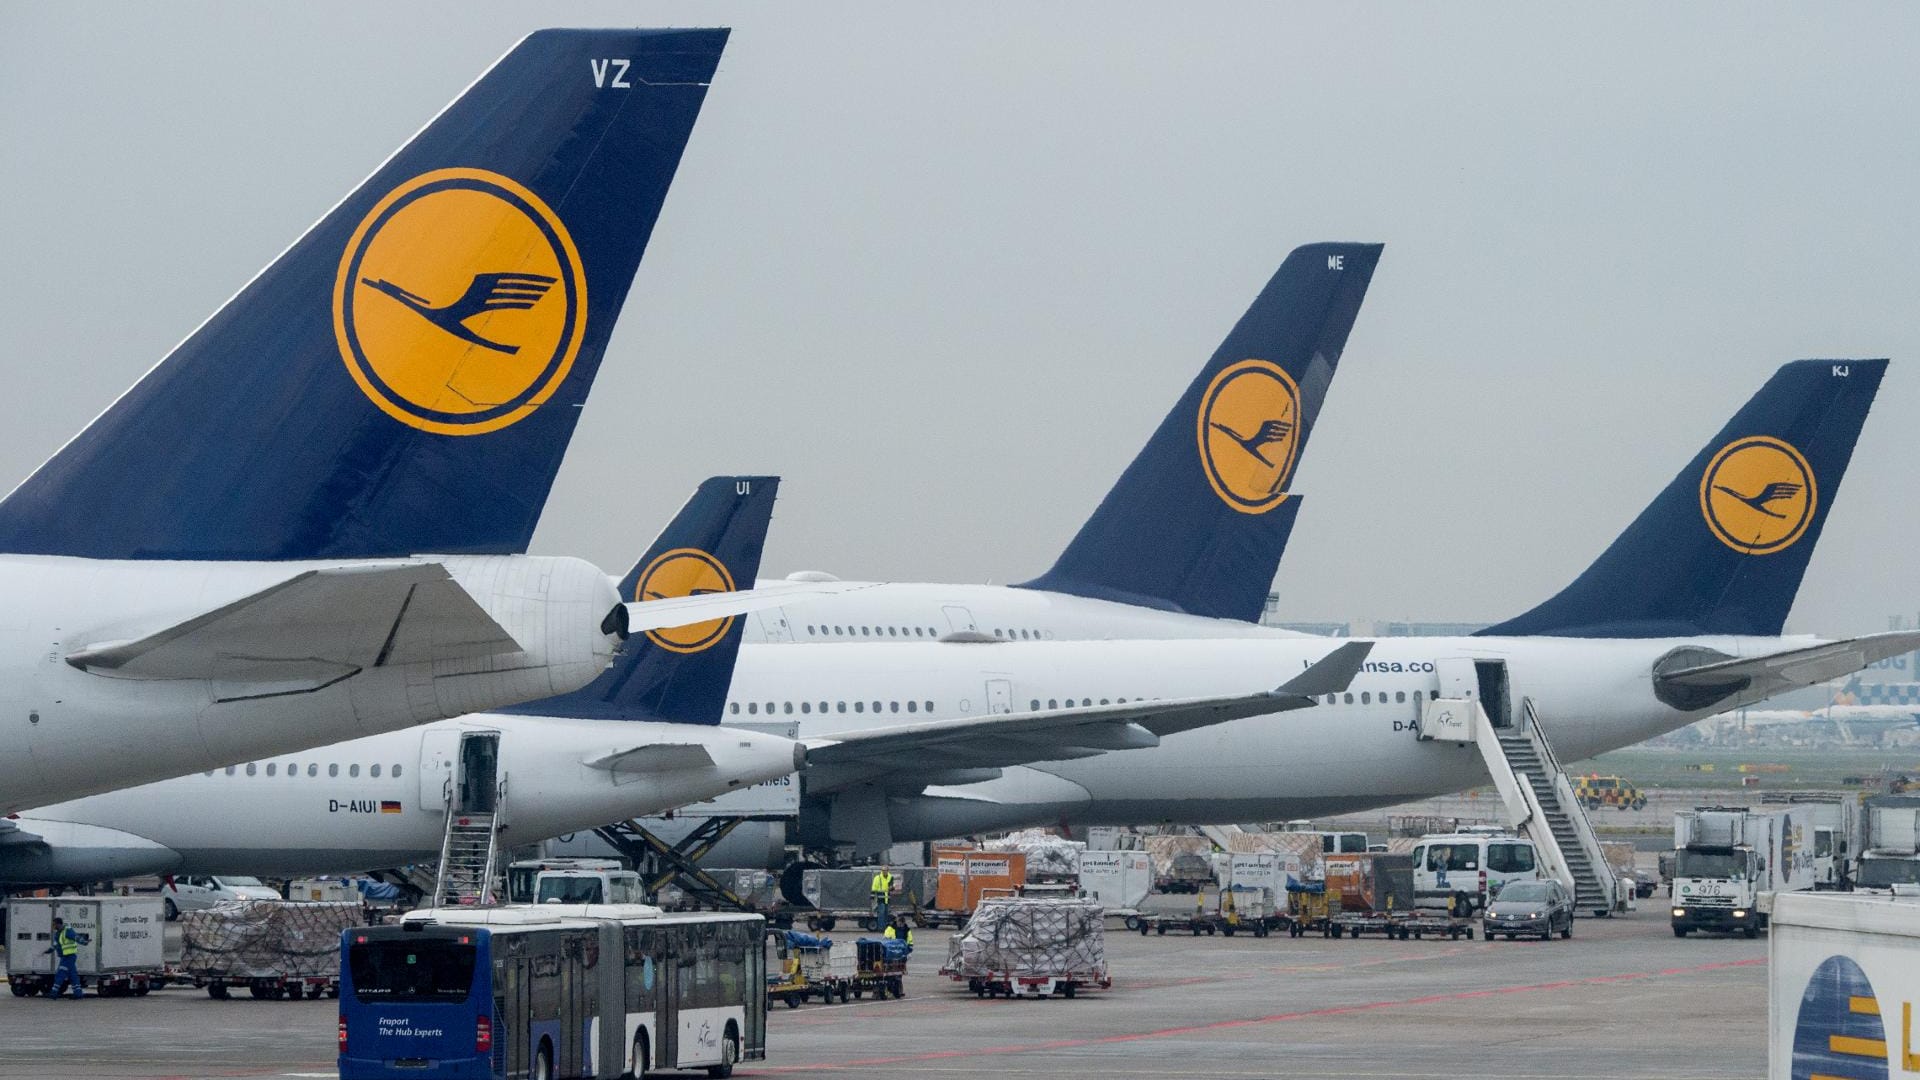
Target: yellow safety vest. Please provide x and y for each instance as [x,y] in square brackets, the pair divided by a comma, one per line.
[890,933]
[882,883]
[68,941]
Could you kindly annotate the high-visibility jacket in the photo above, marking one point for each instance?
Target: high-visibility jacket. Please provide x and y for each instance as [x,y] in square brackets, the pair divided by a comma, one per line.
[68,942]
[882,883]
[889,932]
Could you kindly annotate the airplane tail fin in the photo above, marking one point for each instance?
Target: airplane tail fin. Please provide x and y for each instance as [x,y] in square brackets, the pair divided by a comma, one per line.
[1198,521]
[682,674]
[405,378]
[1723,548]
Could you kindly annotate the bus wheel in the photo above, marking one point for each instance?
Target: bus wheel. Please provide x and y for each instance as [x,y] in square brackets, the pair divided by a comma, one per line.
[543,1062]
[729,1053]
[642,1057]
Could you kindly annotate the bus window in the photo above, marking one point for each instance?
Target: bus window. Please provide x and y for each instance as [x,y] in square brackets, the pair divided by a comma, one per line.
[428,969]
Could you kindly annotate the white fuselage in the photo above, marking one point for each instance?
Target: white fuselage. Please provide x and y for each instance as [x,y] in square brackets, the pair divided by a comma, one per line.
[65,732]
[1361,750]
[908,611]
[379,802]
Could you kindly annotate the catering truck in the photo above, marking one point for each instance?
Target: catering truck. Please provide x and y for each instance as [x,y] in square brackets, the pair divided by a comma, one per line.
[1730,861]
[1890,848]
[1836,821]
[1843,977]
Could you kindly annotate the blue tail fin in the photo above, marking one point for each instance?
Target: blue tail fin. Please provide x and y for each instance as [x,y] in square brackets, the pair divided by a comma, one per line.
[1199,520]
[1723,548]
[681,675]
[406,376]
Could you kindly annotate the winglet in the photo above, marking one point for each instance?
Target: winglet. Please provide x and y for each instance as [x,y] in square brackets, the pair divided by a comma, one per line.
[1331,674]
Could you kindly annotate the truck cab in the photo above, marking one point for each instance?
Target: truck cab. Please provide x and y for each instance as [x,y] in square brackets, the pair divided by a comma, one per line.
[1716,888]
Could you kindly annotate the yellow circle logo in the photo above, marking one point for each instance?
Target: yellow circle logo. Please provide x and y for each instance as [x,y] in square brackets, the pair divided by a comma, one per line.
[685,572]
[1758,494]
[460,303]
[1250,434]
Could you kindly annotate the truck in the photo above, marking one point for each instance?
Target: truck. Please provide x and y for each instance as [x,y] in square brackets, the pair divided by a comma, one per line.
[121,950]
[1730,862]
[1890,845]
[1843,972]
[523,876]
[1836,822]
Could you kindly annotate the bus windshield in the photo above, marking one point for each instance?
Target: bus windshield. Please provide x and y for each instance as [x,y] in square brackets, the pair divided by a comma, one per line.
[423,969]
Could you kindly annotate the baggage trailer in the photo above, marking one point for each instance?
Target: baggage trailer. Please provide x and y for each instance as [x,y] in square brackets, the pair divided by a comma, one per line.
[1030,948]
[880,967]
[274,949]
[804,966]
[1309,909]
[121,951]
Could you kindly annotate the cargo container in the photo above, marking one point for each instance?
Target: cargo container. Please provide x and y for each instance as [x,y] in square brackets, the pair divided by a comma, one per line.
[1116,880]
[1843,980]
[122,953]
[1370,881]
[1834,817]
[969,874]
[1890,849]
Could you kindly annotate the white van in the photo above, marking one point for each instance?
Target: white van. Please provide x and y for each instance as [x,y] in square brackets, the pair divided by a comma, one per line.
[192,892]
[1472,866]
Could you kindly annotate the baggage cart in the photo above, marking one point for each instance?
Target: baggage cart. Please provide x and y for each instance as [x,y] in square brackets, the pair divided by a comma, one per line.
[880,967]
[1309,909]
[805,966]
[274,949]
[1030,948]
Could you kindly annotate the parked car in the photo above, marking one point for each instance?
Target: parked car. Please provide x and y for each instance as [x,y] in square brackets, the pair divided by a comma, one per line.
[1541,907]
[192,892]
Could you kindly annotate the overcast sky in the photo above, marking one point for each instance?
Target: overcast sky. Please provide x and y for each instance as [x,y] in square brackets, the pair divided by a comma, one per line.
[945,267]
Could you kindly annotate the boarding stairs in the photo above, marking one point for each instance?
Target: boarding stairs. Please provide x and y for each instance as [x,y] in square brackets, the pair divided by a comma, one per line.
[1538,797]
[469,852]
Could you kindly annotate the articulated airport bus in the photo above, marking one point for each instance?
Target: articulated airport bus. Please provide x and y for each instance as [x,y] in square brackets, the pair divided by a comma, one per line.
[581,990]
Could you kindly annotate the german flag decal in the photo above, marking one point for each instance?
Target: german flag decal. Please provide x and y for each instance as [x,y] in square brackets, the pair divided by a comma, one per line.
[389,806]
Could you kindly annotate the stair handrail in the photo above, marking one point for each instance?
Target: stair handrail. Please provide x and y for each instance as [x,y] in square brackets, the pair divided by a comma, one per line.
[1523,803]
[446,842]
[1570,803]
[493,840]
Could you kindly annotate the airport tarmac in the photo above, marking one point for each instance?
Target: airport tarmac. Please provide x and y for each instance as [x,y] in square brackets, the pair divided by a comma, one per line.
[1622,999]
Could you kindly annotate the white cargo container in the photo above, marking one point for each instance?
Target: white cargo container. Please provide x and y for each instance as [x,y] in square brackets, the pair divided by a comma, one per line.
[1844,976]
[1890,851]
[1258,881]
[124,951]
[1835,820]
[1116,880]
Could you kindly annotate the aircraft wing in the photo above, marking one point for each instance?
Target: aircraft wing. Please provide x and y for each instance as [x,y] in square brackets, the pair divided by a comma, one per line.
[314,628]
[1756,677]
[644,615]
[654,758]
[945,747]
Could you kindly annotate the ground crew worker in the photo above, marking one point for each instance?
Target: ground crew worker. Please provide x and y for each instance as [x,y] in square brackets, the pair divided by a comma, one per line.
[66,944]
[900,931]
[882,890]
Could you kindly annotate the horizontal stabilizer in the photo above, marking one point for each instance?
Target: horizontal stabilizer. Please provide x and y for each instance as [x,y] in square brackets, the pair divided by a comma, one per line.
[1754,678]
[675,611]
[1006,739]
[654,758]
[316,627]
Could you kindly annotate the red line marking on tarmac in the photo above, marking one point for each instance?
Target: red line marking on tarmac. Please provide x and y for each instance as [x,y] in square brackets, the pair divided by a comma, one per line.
[1223,1025]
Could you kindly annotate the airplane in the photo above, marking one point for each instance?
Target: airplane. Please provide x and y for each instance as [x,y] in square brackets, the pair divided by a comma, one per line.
[1680,618]
[568,764]
[1186,543]
[309,521]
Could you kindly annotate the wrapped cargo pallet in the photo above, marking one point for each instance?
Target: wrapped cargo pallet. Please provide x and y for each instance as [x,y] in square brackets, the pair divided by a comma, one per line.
[1033,946]
[1050,858]
[265,939]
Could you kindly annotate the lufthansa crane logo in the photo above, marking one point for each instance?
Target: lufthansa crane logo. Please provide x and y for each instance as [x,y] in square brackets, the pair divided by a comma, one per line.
[685,572]
[460,303]
[1839,1034]
[1758,495]
[1250,434]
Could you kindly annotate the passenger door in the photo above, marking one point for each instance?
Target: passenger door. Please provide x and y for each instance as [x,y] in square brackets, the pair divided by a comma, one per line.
[999,696]
[439,746]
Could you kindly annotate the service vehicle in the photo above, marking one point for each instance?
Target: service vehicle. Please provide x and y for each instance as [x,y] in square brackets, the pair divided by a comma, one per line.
[588,990]
[1843,971]
[1542,907]
[1890,847]
[1835,819]
[197,892]
[1470,868]
[523,874]
[802,965]
[121,937]
[1595,791]
[1729,862]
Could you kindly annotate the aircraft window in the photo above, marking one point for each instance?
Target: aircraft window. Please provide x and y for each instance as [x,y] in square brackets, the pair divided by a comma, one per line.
[733,707]
[753,707]
[823,706]
[1416,697]
[1025,636]
[314,770]
[876,706]
[250,768]
[1120,701]
[1035,705]
[838,631]
[893,631]
[1086,702]
[1349,697]
[333,769]
[269,768]
[787,707]
[806,706]
[1366,698]
[353,770]
[1104,701]
[859,706]
[396,770]
[893,706]
[913,706]
[864,631]
[1053,703]
[841,706]
[1399,697]
[929,706]
[916,631]
[809,629]
[229,770]
[375,771]
[769,708]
